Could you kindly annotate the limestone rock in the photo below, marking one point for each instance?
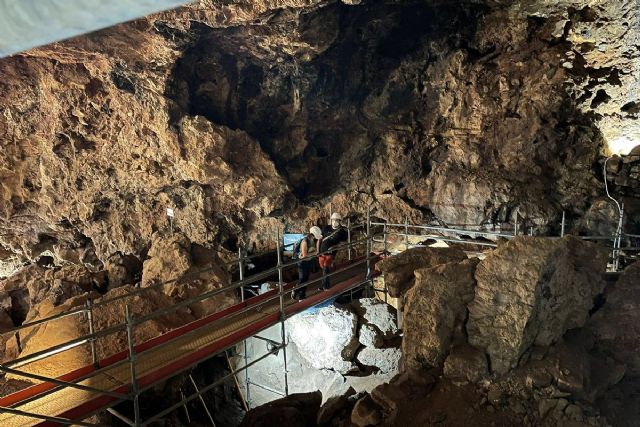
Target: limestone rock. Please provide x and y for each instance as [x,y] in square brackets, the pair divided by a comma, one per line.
[382,316]
[188,270]
[466,364]
[333,406]
[398,270]
[327,339]
[387,360]
[295,410]
[370,336]
[616,326]
[530,291]
[435,312]
[366,413]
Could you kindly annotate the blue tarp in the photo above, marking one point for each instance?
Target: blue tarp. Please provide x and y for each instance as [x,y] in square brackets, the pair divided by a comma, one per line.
[290,239]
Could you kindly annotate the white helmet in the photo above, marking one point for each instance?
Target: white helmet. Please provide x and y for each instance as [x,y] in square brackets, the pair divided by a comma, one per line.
[317,233]
[337,216]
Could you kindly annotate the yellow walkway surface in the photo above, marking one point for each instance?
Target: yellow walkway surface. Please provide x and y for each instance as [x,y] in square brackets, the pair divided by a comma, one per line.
[59,402]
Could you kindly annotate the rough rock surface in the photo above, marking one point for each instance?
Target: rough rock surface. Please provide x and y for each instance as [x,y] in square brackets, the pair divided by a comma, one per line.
[616,326]
[366,413]
[188,270]
[530,291]
[370,336]
[296,410]
[327,339]
[387,360]
[435,312]
[228,112]
[466,364]
[376,314]
[399,270]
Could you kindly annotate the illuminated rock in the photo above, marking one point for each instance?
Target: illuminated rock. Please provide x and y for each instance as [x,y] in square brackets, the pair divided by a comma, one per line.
[435,312]
[327,339]
[531,291]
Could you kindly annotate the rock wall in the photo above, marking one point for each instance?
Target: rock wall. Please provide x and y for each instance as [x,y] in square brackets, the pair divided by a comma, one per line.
[235,114]
[531,291]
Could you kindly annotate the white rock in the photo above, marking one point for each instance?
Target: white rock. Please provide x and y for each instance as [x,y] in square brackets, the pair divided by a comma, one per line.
[327,338]
[375,312]
[385,359]
[370,336]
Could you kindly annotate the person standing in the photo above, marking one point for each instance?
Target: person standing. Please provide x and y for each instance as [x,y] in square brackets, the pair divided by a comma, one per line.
[302,252]
[333,235]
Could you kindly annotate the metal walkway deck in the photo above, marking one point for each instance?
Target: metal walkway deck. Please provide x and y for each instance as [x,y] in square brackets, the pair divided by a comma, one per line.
[155,362]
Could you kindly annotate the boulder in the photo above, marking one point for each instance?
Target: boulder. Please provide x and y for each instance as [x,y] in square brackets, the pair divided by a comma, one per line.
[387,360]
[188,270]
[366,413]
[616,326]
[382,316]
[334,406]
[370,336]
[326,338]
[530,291]
[295,410]
[465,364]
[398,270]
[435,312]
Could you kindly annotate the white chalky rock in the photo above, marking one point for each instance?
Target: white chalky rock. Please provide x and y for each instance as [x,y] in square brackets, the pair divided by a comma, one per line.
[385,359]
[327,338]
[370,336]
[375,312]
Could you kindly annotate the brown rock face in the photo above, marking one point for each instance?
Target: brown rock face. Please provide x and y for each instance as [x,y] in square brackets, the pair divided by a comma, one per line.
[530,291]
[436,311]
[466,111]
[296,410]
[615,326]
[399,270]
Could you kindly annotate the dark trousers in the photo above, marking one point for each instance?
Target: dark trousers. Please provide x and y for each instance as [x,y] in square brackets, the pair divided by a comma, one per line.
[304,269]
[326,263]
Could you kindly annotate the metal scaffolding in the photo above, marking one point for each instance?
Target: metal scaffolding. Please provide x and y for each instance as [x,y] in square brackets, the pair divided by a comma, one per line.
[372,233]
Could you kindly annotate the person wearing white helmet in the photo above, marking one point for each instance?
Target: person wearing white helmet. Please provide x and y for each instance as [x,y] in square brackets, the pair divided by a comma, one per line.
[333,235]
[302,251]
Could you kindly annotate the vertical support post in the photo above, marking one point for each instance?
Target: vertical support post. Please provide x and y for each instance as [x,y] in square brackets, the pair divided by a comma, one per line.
[384,240]
[283,317]
[515,227]
[349,239]
[186,410]
[618,241]
[562,224]
[132,361]
[244,342]
[369,245]
[406,233]
[530,231]
[204,405]
[92,341]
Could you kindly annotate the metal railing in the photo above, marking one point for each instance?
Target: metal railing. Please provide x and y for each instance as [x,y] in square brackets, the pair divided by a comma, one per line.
[372,230]
[130,323]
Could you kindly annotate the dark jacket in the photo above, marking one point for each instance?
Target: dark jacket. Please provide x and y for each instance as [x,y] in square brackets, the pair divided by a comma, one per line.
[332,238]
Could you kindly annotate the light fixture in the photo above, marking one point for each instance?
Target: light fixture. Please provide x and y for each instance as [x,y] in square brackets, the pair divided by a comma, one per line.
[622,145]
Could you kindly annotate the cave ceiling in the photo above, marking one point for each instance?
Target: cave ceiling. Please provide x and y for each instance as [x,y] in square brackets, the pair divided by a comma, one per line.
[234,113]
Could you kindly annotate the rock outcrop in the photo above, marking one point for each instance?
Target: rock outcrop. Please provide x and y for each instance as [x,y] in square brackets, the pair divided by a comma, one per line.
[399,270]
[296,410]
[219,111]
[327,339]
[531,291]
[616,326]
[435,312]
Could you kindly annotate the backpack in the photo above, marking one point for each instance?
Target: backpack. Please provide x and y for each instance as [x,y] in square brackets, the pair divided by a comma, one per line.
[297,246]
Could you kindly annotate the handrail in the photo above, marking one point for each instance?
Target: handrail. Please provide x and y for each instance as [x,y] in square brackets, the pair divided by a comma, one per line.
[444,229]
